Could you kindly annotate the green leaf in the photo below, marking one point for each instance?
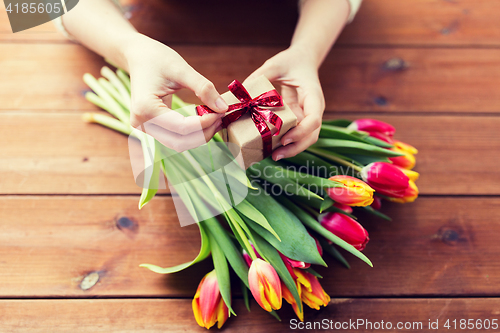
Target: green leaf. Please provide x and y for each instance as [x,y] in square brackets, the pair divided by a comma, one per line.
[365,160]
[311,223]
[327,203]
[232,253]
[352,147]
[333,157]
[151,173]
[295,243]
[337,122]
[244,291]
[203,254]
[331,250]
[378,142]
[313,272]
[335,132]
[255,215]
[376,213]
[314,165]
[222,272]
[275,260]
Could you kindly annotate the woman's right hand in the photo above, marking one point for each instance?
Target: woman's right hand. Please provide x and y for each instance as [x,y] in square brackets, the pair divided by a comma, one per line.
[157,72]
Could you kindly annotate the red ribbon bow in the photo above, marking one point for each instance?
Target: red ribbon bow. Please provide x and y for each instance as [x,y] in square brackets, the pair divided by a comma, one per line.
[253,106]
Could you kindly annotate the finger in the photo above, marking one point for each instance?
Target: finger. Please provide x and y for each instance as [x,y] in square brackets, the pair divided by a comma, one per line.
[151,109]
[268,69]
[204,89]
[296,147]
[177,123]
[178,142]
[313,110]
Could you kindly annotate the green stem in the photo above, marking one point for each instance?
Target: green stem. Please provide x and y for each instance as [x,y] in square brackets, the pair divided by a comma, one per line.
[108,122]
[113,107]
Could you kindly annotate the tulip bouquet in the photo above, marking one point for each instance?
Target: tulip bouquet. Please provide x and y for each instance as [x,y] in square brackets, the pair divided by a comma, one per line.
[289,213]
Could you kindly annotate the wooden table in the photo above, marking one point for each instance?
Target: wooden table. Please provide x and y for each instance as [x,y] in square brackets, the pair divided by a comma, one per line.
[72,237]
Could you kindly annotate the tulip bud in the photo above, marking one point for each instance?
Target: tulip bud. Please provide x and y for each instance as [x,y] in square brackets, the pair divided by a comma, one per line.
[354,193]
[409,195]
[345,208]
[385,178]
[311,293]
[407,161]
[377,203]
[265,285]
[346,228]
[208,305]
[372,126]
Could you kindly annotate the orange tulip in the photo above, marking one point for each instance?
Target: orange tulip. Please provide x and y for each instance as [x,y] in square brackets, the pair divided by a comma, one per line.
[208,305]
[265,285]
[287,295]
[354,193]
[312,293]
[409,195]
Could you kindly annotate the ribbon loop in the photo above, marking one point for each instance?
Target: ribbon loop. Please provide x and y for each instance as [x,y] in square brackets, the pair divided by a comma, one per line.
[253,106]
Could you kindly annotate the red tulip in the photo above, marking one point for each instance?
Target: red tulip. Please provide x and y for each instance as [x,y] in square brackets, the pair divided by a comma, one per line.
[409,195]
[354,193]
[346,228]
[412,175]
[265,285]
[385,178]
[208,305]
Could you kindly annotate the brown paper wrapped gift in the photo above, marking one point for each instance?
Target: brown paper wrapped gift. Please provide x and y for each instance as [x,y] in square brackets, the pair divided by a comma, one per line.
[243,132]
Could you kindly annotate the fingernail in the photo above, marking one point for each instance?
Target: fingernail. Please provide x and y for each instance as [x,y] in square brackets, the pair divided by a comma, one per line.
[221,104]
[279,157]
[287,141]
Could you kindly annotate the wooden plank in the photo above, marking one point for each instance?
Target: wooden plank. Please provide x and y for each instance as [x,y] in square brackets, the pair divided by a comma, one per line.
[44,153]
[49,244]
[48,77]
[175,315]
[379,22]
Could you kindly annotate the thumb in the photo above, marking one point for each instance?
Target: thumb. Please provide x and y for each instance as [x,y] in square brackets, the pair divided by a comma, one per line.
[204,90]
[268,69]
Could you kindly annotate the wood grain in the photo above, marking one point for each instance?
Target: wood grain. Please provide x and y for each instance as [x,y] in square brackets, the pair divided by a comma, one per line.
[44,153]
[175,315]
[379,22]
[49,244]
[48,77]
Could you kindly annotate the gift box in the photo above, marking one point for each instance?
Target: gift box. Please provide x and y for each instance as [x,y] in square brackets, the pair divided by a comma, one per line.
[256,120]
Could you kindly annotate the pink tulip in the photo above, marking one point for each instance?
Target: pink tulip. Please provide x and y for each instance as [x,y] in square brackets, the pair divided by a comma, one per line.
[373,126]
[265,285]
[346,228]
[385,178]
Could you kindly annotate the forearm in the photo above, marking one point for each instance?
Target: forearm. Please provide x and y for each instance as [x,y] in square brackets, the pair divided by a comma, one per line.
[320,23]
[99,25]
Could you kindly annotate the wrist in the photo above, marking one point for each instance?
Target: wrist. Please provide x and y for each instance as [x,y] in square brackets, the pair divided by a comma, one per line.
[305,54]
